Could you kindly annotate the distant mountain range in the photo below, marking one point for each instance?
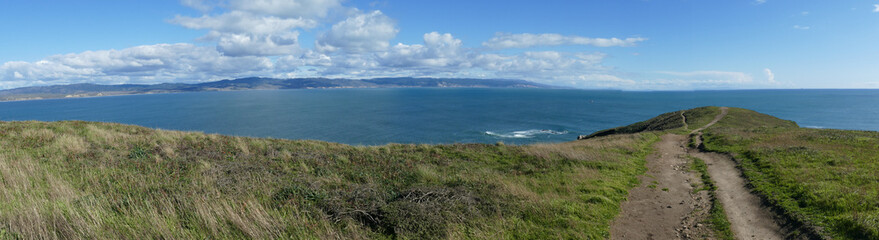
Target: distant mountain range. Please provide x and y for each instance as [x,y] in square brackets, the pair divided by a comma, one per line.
[92,90]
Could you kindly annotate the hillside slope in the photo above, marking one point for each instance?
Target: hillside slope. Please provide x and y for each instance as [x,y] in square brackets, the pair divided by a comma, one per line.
[823,178]
[666,121]
[92,180]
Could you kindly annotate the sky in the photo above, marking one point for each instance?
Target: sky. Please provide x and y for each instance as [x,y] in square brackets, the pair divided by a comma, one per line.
[624,44]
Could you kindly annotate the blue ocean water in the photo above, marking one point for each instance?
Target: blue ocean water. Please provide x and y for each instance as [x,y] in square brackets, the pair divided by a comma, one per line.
[439,115]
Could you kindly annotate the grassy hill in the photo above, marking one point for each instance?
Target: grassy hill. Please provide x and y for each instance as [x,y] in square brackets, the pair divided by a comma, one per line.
[78,179]
[825,178]
[667,121]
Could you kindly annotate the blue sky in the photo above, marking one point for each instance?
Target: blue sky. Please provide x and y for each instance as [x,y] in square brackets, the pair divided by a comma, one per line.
[633,45]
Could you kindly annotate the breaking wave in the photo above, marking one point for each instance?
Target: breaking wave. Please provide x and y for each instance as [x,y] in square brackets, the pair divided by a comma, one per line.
[525,134]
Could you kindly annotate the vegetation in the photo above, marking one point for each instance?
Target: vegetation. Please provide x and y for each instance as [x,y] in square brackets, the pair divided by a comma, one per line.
[78,179]
[824,178]
[717,217]
[671,121]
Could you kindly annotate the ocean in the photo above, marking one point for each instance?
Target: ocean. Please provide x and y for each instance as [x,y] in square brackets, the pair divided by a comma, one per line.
[439,115]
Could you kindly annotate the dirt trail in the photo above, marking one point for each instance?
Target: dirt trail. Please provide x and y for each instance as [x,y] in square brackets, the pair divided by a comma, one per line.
[723,112]
[684,119]
[661,206]
[665,207]
[748,216]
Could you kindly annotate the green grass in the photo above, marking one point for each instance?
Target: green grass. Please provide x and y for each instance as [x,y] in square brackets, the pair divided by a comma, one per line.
[90,180]
[671,122]
[717,216]
[824,178]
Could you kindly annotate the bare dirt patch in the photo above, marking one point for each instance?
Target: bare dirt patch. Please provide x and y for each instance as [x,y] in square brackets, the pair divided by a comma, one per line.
[665,206]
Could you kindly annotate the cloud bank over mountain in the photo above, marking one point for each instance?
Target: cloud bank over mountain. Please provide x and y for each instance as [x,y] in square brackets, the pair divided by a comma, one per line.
[263,38]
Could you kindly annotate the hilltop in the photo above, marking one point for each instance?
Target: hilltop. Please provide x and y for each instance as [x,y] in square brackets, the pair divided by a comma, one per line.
[254,83]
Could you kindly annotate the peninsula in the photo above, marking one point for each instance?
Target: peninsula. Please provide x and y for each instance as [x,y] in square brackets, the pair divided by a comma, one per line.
[253,83]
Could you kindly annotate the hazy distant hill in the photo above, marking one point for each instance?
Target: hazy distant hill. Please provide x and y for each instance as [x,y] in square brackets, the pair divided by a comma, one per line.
[90,90]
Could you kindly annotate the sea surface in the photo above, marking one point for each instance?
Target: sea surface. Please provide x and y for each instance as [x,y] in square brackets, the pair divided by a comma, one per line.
[439,115]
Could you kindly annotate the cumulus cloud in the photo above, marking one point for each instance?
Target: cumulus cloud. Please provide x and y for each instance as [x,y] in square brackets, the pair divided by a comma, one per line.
[306,59]
[876,7]
[443,55]
[261,38]
[287,8]
[241,33]
[201,5]
[697,80]
[758,2]
[538,62]
[713,76]
[526,40]
[142,64]
[798,27]
[603,80]
[256,27]
[364,32]
[244,22]
[439,50]
[770,77]
[258,45]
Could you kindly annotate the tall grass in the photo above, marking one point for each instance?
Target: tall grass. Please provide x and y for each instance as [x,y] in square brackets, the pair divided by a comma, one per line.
[78,179]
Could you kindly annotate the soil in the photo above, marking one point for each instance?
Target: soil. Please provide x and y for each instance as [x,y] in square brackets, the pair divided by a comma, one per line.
[664,206]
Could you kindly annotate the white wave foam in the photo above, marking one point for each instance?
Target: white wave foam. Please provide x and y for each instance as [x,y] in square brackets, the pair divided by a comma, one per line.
[525,134]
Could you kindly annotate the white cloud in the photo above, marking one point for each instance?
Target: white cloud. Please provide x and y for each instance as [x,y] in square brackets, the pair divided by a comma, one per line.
[804,13]
[142,64]
[605,80]
[307,59]
[439,50]
[201,5]
[526,40]
[261,38]
[258,45]
[770,77]
[798,27]
[366,32]
[241,33]
[244,22]
[758,2]
[538,62]
[697,80]
[876,7]
[443,55]
[256,27]
[287,8]
[551,67]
